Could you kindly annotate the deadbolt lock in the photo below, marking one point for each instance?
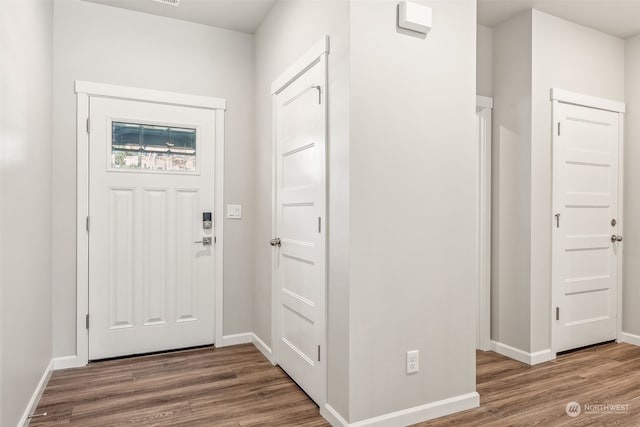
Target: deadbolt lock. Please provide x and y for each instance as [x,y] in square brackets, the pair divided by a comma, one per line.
[613,222]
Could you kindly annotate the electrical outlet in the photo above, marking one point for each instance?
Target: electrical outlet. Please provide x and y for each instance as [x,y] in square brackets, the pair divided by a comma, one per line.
[413,361]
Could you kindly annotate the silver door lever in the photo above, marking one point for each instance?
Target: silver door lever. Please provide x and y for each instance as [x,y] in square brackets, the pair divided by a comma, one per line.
[206,241]
[275,242]
[615,238]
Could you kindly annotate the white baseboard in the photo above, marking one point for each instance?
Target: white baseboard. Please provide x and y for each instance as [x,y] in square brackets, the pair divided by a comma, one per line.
[408,416]
[629,338]
[534,358]
[37,394]
[65,362]
[331,415]
[542,356]
[235,339]
[263,347]
[245,338]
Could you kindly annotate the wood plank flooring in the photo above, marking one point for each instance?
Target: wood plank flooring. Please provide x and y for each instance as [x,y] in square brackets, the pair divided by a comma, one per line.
[231,386]
[515,394]
[237,386]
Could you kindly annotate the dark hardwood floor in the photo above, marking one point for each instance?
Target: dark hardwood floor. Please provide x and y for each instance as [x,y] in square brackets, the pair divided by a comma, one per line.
[237,386]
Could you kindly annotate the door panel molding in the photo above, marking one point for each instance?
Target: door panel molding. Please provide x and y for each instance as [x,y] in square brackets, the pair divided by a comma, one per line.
[84,92]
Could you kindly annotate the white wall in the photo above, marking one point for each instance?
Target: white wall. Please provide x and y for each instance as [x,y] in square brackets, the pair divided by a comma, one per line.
[109,45]
[511,182]
[484,61]
[413,178]
[631,220]
[25,201]
[575,58]
[291,28]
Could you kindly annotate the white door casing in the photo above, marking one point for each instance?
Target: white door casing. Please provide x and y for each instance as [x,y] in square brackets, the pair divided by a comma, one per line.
[161,208]
[587,148]
[300,225]
[484,107]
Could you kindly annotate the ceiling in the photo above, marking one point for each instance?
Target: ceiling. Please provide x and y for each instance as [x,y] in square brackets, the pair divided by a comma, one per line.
[237,15]
[620,18]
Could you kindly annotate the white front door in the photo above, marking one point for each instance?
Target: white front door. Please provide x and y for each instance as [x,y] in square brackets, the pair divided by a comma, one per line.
[585,223]
[151,185]
[301,227]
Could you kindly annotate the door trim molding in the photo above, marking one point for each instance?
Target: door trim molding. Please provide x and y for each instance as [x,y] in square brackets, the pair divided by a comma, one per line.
[156,96]
[484,106]
[566,97]
[317,53]
[84,91]
[309,58]
[569,97]
[621,223]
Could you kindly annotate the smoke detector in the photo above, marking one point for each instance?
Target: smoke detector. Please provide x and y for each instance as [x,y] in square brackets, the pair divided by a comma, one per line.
[169,2]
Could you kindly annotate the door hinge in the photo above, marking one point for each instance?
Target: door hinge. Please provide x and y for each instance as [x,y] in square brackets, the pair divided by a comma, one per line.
[557,313]
[215,239]
[318,353]
[88,125]
[557,220]
[86,320]
[558,128]
[87,224]
[319,225]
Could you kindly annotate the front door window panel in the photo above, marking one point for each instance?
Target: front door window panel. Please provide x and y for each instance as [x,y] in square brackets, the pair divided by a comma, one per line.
[153,147]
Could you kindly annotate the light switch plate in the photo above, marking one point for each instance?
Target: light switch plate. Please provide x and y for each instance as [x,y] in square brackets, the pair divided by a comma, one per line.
[234,211]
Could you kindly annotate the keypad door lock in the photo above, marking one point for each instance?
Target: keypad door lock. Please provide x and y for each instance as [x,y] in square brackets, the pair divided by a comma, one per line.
[207,222]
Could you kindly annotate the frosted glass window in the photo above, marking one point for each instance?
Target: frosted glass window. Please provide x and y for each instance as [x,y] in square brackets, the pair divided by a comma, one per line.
[150,147]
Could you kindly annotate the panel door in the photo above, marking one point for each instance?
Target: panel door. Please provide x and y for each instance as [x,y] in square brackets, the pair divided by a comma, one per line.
[151,285]
[300,226]
[585,259]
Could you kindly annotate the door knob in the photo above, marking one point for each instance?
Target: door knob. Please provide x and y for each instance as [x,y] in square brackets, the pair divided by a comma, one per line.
[275,242]
[615,238]
[206,241]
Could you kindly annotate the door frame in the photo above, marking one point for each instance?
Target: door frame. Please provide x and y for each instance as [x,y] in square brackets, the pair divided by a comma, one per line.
[84,91]
[318,52]
[566,97]
[484,107]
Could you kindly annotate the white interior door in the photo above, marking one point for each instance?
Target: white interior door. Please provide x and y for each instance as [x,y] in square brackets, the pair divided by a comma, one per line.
[151,286]
[585,256]
[300,229]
